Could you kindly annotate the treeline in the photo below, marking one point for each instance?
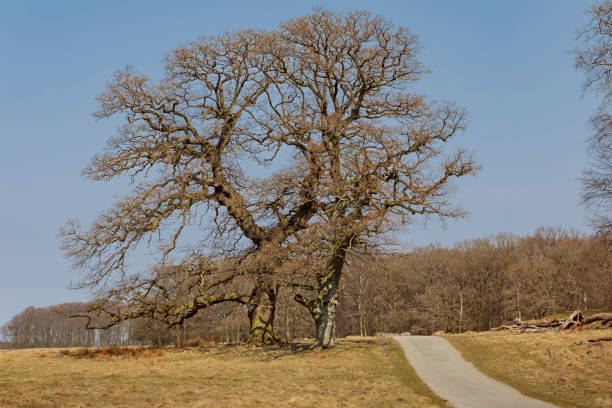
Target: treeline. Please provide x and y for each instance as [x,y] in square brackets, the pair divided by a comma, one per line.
[479,284]
[51,327]
[475,285]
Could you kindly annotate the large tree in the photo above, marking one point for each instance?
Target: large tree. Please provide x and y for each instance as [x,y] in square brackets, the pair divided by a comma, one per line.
[595,59]
[185,137]
[378,144]
[327,101]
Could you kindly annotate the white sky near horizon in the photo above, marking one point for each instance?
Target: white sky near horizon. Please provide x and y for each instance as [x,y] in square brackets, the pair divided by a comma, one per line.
[507,62]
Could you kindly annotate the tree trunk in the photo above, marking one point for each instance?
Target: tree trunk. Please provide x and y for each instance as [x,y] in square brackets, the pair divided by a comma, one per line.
[325,323]
[518,302]
[460,310]
[261,308]
[603,317]
[323,307]
[361,320]
[288,325]
[360,307]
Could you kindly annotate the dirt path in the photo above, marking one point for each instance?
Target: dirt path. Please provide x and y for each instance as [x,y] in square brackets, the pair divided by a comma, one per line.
[456,380]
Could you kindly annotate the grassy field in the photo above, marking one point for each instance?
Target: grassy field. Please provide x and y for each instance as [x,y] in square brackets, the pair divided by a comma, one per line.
[548,366]
[357,373]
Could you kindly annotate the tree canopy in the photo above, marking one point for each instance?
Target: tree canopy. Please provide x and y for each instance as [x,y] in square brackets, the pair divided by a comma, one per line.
[325,108]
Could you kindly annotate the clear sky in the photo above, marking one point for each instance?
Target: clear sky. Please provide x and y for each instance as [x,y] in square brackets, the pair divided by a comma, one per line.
[507,62]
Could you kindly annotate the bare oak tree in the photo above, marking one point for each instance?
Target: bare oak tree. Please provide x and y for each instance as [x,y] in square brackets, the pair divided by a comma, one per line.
[377,145]
[355,153]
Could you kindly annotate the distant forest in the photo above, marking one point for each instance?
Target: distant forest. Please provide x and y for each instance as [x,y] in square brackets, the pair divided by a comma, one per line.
[475,285]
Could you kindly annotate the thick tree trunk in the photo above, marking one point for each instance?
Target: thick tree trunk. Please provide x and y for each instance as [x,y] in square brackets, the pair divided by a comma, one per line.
[325,324]
[603,317]
[261,308]
[323,307]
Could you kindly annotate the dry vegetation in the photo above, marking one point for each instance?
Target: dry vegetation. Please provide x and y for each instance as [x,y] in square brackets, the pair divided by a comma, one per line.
[549,366]
[111,351]
[357,373]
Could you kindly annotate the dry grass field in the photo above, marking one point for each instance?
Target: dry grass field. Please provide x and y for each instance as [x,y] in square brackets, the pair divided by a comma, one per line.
[357,373]
[548,366]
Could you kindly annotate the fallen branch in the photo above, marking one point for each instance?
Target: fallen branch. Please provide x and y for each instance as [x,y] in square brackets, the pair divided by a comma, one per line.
[576,319]
[572,320]
[533,330]
[603,317]
[594,340]
[501,328]
[551,323]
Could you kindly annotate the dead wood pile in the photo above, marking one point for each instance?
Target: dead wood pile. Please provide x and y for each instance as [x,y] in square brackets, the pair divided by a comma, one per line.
[576,319]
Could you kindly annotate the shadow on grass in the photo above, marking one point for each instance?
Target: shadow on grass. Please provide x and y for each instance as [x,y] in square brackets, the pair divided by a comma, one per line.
[280,349]
[264,352]
[113,351]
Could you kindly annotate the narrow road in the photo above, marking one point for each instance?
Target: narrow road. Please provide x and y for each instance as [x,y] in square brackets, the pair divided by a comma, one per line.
[441,366]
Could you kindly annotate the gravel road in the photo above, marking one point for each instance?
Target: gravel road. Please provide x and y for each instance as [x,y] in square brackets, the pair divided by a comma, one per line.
[441,366]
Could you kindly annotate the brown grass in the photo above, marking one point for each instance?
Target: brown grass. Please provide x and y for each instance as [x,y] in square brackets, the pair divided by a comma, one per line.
[112,351]
[357,373]
[194,342]
[548,366]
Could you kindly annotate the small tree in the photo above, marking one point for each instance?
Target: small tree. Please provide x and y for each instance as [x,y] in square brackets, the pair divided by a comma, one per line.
[595,59]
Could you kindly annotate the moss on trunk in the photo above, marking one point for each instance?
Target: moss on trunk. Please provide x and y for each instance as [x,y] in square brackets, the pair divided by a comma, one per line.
[325,324]
[261,308]
[323,307]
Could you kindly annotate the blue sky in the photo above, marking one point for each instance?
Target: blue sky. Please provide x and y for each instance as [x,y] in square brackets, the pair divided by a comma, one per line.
[507,62]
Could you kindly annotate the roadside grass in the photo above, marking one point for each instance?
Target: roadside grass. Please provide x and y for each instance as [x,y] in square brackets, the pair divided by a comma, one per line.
[369,372]
[548,366]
